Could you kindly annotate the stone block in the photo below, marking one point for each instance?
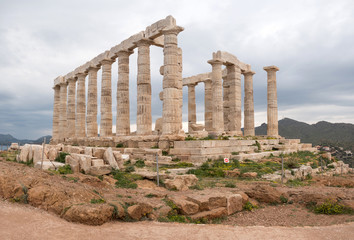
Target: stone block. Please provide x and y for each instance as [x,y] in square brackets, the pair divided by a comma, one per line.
[97,162]
[47,165]
[110,159]
[186,207]
[181,182]
[234,203]
[73,162]
[98,152]
[214,213]
[100,170]
[88,151]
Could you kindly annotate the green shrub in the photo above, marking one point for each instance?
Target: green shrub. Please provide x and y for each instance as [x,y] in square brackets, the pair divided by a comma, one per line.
[196,187]
[291,163]
[189,138]
[61,157]
[209,137]
[249,206]
[235,153]
[97,201]
[164,153]
[155,147]
[283,199]
[176,160]
[140,163]
[66,169]
[150,195]
[119,145]
[230,185]
[129,169]
[126,180]
[332,208]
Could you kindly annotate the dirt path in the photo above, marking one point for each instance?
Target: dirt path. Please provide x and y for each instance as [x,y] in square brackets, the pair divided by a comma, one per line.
[25,222]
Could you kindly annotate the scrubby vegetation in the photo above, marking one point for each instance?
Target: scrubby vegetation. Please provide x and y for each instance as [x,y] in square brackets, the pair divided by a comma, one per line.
[61,157]
[330,208]
[125,180]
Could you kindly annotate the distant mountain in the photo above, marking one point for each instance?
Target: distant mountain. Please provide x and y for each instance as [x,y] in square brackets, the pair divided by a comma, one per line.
[7,139]
[341,134]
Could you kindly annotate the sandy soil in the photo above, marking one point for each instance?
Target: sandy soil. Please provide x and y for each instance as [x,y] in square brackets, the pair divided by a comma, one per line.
[25,222]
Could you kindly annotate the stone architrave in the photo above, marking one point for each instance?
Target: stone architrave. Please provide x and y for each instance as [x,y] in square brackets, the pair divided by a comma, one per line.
[123,106]
[217,97]
[91,118]
[106,99]
[63,115]
[81,106]
[172,83]
[272,102]
[56,112]
[208,108]
[192,111]
[143,118]
[249,104]
[234,100]
[71,107]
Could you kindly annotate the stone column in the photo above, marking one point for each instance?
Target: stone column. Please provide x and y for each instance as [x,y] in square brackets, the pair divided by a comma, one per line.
[272,108]
[235,103]
[217,97]
[143,116]
[123,108]
[248,104]
[226,102]
[106,99]
[208,108]
[172,84]
[71,107]
[81,106]
[192,110]
[56,111]
[62,115]
[91,118]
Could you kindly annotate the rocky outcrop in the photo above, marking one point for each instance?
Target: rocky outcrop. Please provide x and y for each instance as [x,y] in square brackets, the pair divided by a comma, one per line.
[90,214]
[181,182]
[265,193]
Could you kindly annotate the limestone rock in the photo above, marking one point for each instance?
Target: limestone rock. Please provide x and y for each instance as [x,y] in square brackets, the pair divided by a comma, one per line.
[97,162]
[47,165]
[214,213]
[37,153]
[24,154]
[250,174]
[217,202]
[233,173]
[234,203]
[118,157]
[185,207]
[85,162]
[265,193]
[181,182]
[201,200]
[73,163]
[110,159]
[100,170]
[14,147]
[52,154]
[98,152]
[136,212]
[89,151]
[91,214]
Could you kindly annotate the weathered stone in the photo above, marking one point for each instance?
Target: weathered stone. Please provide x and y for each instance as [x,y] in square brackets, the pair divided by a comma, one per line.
[88,151]
[233,173]
[37,153]
[47,165]
[24,154]
[217,202]
[14,146]
[52,154]
[214,213]
[136,212]
[272,102]
[73,163]
[265,193]
[110,159]
[100,170]
[181,182]
[185,206]
[91,214]
[234,203]
[119,159]
[98,152]
[250,174]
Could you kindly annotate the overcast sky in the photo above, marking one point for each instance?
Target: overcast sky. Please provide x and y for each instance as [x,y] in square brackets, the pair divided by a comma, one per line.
[312,42]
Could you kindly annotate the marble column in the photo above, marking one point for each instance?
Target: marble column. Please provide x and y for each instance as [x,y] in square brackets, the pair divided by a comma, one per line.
[172,84]
[226,102]
[143,116]
[208,106]
[106,99]
[62,115]
[217,97]
[71,107]
[249,104]
[91,118]
[81,106]
[192,109]
[123,107]
[235,103]
[272,102]
[56,111]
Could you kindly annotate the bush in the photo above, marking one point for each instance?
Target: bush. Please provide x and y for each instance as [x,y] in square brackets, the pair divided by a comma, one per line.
[119,145]
[283,199]
[230,185]
[209,137]
[164,153]
[140,163]
[291,163]
[126,180]
[61,157]
[249,206]
[332,208]
[66,169]
[97,201]
[129,169]
[189,138]
[235,153]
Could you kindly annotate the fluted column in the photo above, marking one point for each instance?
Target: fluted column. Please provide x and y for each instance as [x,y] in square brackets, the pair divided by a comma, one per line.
[226,102]
[56,112]
[123,106]
[91,116]
[81,106]
[249,104]
[272,108]
[71,107]
[172,84]
[235,103]
[62,114]
[143,116]
[208,106]
[217,97]
[106,99]
[192,108]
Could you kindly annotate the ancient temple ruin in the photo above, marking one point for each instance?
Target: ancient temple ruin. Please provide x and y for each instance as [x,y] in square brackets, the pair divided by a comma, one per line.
[75,120]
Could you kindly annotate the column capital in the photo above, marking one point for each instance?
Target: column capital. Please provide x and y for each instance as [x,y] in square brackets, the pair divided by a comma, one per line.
[215,62]
[175,30]
[81,74]
[71,80]
[55,87]
[95,69]
[192,84]
[107,61]
[271,68]
[124,53]
[144,42]
[248,73]
[63,84]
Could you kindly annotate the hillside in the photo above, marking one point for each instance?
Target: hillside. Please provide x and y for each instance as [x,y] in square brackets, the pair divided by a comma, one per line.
[341,134]
[7,139]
